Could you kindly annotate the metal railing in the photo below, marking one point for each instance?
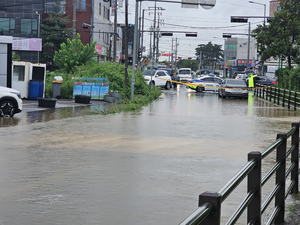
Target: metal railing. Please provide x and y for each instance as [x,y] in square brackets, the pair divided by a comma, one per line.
[209,205]
[279,96]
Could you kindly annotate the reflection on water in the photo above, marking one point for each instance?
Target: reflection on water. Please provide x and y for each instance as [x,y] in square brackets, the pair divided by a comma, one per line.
[143,167]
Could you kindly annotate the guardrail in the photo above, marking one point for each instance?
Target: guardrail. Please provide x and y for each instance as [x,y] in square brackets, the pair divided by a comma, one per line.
[279,96]
[209,210]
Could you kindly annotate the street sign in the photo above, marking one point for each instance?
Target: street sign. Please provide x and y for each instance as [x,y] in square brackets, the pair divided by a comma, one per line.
[249,65]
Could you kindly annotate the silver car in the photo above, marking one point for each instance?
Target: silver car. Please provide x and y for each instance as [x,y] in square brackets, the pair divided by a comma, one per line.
[233,88]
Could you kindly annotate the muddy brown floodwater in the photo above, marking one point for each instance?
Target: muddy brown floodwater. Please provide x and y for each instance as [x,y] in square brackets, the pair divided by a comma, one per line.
[143,167]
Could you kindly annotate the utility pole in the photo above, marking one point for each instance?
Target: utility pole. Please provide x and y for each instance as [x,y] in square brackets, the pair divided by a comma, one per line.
[92,27]
[200,61]
[115,31]
[154,33]
[74,19]
[176,54]
[126,43]
[172,66]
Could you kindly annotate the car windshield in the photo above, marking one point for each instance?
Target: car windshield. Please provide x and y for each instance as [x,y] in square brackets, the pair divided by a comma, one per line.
[167,70]
[148,73]
[236,82]
[184,71]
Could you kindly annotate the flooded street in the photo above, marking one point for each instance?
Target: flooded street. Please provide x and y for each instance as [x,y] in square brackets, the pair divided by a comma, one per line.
[146,167]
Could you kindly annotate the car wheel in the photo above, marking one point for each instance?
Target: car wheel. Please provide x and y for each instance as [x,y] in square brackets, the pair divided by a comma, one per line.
[199,89]
[7,108]
[168,85]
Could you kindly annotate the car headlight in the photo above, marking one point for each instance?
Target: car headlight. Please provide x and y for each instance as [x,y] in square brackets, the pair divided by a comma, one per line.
[17,94]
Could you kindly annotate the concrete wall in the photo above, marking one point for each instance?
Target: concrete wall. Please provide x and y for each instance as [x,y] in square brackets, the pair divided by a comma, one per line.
[5,60]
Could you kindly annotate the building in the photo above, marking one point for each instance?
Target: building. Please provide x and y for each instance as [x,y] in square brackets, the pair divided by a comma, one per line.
[274,7]
[22,18]
[236,54]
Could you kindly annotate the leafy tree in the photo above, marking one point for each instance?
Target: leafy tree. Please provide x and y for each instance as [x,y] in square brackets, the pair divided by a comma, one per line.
[53,33]
[15,57]
[188,63]
[282,36]
[211,54]
[73,54]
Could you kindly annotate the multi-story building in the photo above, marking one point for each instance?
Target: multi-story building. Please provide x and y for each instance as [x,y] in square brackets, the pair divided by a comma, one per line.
[236,54]
[274,7]
[22,18]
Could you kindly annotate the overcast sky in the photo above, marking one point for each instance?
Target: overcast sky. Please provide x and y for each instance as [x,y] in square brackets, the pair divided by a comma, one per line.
[209,24]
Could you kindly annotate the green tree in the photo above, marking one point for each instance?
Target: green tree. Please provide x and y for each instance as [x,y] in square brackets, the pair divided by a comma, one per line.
[53,33]
[211,54]
[188,63]
[73,54]
[282,36]
[15,57]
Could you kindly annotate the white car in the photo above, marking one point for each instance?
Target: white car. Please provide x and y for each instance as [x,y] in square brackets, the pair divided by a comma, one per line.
[10,102]
[185,74]
[159,78]
[205,83]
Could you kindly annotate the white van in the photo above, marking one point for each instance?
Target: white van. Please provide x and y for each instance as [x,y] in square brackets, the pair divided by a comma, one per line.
[185,74]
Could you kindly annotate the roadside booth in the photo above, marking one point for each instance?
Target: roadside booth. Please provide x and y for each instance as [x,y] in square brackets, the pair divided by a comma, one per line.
[29,78]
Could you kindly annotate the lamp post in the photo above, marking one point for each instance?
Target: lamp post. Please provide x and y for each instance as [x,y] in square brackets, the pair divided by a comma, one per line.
[264,9]
[39,25]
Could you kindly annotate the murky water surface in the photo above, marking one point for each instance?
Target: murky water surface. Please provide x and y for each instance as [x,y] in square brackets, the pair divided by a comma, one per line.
[63,166]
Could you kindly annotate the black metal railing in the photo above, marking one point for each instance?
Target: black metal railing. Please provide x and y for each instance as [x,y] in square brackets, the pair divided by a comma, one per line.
[279,96]
[209,210]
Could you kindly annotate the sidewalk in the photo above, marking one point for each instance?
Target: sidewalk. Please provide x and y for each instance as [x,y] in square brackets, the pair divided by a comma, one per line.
[32,105]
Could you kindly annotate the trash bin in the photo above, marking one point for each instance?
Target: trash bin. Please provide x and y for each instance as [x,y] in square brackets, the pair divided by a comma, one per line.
[41,89]
[56,86]
[33,90]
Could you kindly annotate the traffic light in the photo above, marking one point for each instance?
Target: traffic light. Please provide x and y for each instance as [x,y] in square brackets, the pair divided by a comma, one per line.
[259,48]
[236,19]
[166,34]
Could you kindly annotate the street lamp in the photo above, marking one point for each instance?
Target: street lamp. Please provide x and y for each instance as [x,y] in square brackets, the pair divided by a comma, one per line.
[39,28]
[264,9]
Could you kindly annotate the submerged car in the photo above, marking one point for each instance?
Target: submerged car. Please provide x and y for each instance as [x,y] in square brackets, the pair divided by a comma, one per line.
[264,80]
[205,83]
[10,102]
[159,78]
[233,88]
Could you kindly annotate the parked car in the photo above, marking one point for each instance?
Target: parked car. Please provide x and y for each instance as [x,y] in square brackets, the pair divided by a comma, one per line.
[171,73]
[185,74]
[233,87]
[236,73]
[10,102]
[207,83]
[159,78]
[264,80]
[242,76]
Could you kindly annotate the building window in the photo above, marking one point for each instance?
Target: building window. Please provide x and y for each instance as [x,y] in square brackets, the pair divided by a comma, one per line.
[232,47]
[100,8]
[29,26]
[81,5]
[108,14]
[279,8]
[7,25]
[104,11]
[55,7]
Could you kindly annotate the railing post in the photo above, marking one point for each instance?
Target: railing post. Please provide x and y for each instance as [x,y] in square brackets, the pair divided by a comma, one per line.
[260,92]
[254,182]
[270,92]
[274,96]
[295,158]
[280,178]
[289,100]
[278,95]
[215,199]
[283,97]
[295,101]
